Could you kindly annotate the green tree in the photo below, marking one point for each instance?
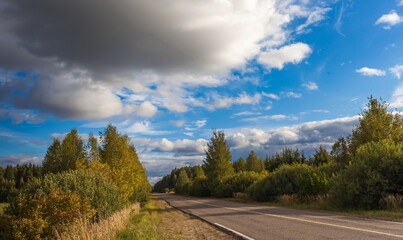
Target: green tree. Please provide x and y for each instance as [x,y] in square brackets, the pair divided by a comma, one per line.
[127,171]
[52,162]
[218,160]
[340,153]
[182,183]
[321,157]
[93,148]
[376,124]
[72,150]
[239,165]
[254,163]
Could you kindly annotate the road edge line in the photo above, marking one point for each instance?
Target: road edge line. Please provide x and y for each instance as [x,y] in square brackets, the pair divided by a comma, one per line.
[243,236]
[222,229]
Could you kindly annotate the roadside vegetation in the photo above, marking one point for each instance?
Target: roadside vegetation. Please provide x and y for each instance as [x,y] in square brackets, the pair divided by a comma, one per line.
[361,175]
[81,188]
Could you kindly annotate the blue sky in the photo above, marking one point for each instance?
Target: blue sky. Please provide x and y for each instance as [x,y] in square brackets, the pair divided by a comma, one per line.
[271,74]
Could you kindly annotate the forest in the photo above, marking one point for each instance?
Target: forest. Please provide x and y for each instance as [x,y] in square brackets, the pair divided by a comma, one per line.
[78,183]
[361,171]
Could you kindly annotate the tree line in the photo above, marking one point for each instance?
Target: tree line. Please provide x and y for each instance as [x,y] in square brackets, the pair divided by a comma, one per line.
[79,182]
[362,170]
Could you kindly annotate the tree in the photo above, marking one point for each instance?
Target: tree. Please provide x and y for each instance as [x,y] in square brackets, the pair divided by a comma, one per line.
[321,157]
[376,124]
[93,148]
[254,163]
[182,182]
[71,150]
[126,170]
[340,153]
[218,160]
[239,165]
[52,162]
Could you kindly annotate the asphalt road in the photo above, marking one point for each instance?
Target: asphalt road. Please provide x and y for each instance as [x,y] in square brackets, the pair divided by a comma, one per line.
[264,222]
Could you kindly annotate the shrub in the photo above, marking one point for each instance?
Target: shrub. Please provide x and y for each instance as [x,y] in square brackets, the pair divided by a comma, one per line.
[199,187]
[105,198]
[238,182]
[37,216]
[300,179]
[375,172]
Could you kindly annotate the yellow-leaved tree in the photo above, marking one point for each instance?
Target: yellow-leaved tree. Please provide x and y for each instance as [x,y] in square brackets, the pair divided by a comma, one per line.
[126,170]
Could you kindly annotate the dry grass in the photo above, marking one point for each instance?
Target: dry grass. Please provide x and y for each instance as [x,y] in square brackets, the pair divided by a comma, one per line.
[104,230]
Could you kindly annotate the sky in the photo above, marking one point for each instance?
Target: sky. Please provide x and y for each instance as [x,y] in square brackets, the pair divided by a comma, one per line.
[271,74]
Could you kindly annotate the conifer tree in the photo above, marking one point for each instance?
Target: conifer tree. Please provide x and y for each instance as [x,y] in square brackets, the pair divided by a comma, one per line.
[218,160]
[254,163]
[72,150]
[52,162]
[320,157]
[182,182]
[239,165]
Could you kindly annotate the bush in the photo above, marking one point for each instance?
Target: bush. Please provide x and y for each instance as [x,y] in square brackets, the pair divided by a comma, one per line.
[300,179]
[199,187]
[238,182]
[38,216]
[375,172]
[105,198]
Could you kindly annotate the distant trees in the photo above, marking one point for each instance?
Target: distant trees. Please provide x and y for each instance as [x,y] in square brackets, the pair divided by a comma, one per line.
[13,178]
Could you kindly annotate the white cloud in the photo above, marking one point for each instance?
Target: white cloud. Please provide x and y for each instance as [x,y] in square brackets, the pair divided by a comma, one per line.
[277,58]
[179,123]
[400,3]
[270,117]
[246,113]
[144,128]
[145,109]
[389,20]
[292,94]
[397,70]
[314,17]
[310,86]
[371,72]
[182,147]
[397,97]
[19,159]
[271,95]
[226,102]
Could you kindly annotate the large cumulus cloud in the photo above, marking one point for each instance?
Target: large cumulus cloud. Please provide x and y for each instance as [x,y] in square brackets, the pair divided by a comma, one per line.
[83,52]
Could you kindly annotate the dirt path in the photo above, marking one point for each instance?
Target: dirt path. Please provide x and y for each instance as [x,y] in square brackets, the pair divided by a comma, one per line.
[178,225]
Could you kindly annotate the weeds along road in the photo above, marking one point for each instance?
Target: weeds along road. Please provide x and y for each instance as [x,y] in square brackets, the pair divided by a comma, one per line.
[265,222]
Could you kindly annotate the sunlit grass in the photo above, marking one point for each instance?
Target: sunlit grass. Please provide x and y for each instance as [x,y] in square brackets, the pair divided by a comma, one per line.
[3,206]
[143,226]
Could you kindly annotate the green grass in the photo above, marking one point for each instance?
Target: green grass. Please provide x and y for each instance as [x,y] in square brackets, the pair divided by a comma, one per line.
[143,226]
[3,206]
[389,215]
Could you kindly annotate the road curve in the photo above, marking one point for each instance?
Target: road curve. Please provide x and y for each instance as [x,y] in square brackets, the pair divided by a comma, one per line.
[265,222]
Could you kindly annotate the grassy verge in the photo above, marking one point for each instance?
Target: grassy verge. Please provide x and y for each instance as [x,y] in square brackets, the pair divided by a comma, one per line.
[3,206]
[143,226]
[388,215]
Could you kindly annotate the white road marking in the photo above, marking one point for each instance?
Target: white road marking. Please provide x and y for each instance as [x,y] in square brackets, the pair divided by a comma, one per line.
[305,220]
[237,233]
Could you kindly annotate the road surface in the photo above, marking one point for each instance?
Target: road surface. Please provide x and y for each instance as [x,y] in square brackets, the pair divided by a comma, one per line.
[265,222]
